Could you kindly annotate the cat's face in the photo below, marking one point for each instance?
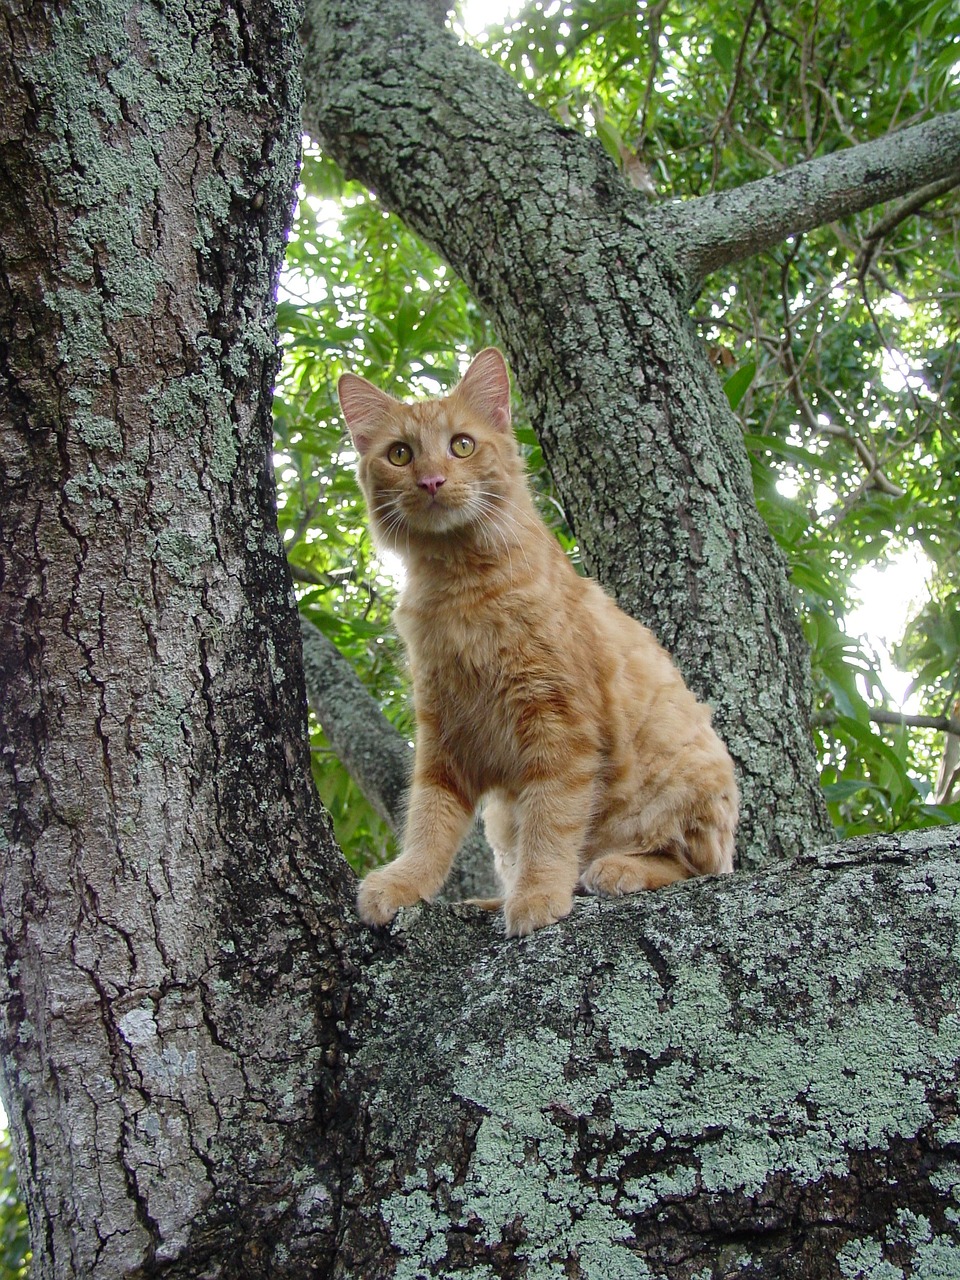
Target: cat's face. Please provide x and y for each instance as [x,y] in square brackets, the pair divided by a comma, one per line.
[433,469]
[438,469]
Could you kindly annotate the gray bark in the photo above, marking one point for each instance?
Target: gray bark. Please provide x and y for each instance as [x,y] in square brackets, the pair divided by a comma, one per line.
[377,757]
[589,299]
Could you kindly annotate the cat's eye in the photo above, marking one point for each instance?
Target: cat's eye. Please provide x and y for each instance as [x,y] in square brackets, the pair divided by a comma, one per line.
[399,453]
[462,446]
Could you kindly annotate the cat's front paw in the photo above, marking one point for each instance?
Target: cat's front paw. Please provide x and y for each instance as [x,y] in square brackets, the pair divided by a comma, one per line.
[525,912]
[383,892]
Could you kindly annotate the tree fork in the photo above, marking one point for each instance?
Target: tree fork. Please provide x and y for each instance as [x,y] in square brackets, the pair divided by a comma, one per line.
[210,1070]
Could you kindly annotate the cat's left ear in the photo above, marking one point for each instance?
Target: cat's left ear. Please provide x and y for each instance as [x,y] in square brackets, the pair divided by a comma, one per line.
[485,388]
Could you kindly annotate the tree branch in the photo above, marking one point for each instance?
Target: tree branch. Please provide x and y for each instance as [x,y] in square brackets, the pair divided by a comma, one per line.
[906,209]
[761,1063]
[879,715]
[713,231]
[948,775]
[375,755]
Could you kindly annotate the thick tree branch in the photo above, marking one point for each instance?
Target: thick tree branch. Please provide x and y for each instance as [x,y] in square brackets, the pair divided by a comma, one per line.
[713,231]
[375,754]
[763,1064]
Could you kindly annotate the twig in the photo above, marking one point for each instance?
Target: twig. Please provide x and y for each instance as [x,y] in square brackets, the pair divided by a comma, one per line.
[875,476]
[723,121]
[900,719]
[654,15]
[905,209]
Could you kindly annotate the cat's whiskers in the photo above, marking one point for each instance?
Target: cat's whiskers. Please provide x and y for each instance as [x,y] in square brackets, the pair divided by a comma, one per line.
[493,506]
[488,515]
[516,528]
[391,520]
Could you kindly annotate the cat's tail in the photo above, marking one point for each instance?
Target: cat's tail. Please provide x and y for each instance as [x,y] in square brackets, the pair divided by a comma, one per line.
[709,843]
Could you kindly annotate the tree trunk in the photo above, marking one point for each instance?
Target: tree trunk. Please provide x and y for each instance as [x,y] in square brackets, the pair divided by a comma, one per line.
[210,1069]
[172,900]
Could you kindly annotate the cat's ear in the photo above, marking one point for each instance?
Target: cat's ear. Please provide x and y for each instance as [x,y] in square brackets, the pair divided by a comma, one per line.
[485,388]
[365,408]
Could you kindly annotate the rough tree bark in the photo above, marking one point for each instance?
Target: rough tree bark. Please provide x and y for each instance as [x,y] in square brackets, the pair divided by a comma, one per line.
[172,900]
[210,1069]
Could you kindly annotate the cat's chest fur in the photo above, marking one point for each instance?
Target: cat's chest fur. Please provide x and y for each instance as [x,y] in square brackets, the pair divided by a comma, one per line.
[460,646]
[480,661]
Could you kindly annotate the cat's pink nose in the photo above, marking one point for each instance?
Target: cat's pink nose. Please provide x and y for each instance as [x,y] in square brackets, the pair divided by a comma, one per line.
[431,484]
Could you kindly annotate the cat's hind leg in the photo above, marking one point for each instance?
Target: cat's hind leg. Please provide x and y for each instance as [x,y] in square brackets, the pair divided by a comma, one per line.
[613,874]
[701,849]
[500,826]
[686,833]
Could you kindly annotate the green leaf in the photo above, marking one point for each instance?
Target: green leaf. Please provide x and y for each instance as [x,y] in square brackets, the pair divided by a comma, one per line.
[610,139]
[722,49]
[737,385]
[14,1233]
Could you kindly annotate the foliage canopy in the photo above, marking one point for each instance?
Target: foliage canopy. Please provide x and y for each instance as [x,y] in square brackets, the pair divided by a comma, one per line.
[838,350]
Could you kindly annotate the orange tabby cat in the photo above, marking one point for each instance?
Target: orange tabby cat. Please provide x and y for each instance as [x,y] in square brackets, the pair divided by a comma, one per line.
[533,692]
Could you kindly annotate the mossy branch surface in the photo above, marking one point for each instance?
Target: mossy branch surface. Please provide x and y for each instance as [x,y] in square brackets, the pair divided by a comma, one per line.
[745,1077]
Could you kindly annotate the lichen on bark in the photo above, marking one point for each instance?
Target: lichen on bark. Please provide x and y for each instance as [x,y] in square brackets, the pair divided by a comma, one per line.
[746,1077]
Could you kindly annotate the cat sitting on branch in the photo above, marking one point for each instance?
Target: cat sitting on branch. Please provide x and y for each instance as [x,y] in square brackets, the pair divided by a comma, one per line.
[536,697]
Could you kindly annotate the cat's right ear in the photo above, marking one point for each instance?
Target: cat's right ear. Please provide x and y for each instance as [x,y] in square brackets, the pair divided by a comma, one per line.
[365,408]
